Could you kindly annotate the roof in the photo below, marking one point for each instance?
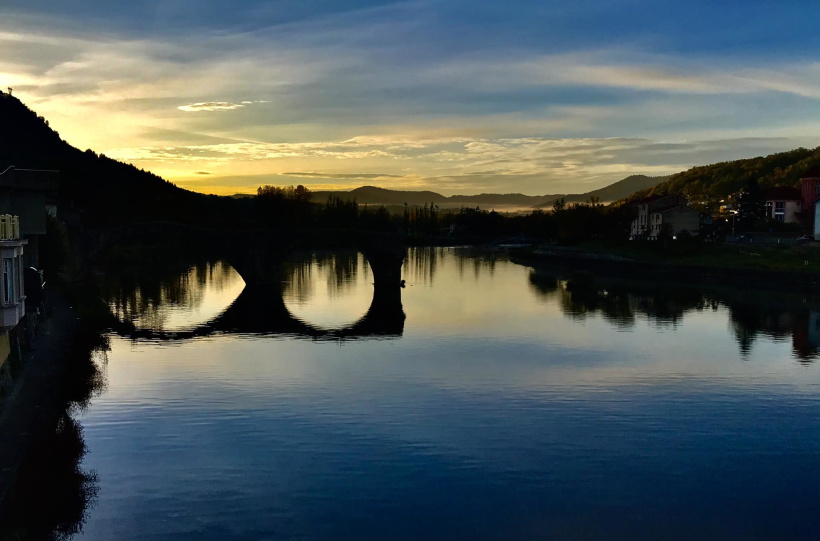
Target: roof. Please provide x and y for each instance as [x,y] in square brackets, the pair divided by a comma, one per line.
[668,207]
[645,200]
[782,193]
[811,172]
[651,198]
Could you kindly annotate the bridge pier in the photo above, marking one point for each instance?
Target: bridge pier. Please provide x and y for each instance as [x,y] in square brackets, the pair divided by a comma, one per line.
[386,266]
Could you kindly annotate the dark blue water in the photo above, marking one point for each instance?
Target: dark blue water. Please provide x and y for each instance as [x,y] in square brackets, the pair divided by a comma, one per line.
[509,406]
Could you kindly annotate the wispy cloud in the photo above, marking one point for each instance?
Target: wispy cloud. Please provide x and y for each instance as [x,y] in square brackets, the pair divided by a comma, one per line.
[211,106]
[216,106]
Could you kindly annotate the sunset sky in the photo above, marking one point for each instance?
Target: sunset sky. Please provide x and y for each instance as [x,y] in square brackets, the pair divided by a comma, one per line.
[537,97]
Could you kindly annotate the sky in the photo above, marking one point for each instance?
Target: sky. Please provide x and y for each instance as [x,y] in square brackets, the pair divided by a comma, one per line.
[460,97]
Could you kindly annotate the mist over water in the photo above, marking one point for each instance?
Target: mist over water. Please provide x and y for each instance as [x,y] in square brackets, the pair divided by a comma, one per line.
[511,404]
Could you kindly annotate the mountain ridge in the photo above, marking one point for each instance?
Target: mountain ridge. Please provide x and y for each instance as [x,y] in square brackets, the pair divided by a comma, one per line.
[374,195]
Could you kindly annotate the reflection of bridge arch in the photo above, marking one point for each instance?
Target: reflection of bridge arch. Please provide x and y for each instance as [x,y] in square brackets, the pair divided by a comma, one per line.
[258,257]
[262,310]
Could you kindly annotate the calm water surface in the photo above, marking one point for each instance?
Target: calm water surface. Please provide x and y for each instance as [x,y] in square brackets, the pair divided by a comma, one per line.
[507,405]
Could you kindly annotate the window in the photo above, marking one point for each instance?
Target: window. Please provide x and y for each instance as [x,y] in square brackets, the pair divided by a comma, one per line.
[8,280]
[780,211]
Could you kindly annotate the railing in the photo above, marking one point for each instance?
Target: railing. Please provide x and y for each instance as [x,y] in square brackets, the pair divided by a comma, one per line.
[9,227]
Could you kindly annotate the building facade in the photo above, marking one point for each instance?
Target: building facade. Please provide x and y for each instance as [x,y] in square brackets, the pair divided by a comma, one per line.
[658,214]
[783,204]
[12,297]
[25,193]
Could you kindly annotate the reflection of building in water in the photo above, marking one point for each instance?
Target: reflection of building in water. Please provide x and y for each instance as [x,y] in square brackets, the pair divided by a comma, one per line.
[806,338]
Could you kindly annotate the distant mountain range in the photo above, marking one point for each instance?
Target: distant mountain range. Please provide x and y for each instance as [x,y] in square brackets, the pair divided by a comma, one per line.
[372,195]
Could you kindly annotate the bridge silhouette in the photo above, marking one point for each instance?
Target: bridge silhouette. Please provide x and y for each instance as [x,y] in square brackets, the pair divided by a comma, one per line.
[258,256]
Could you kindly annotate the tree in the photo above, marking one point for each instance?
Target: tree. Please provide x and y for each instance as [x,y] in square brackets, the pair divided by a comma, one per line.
[750,205]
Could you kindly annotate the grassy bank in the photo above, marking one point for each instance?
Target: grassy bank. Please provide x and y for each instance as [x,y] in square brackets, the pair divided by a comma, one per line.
[795,258]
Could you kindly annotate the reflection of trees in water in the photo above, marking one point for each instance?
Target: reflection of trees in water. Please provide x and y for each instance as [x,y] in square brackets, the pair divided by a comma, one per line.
[420,265]
[422,262]
[146,294]
[619,305]
[751,314]
[341,268]
[52,492]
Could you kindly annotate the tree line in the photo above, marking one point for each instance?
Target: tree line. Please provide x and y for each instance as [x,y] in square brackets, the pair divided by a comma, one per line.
[291,208]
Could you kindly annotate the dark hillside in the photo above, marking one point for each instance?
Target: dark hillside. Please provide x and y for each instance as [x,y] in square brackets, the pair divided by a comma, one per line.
[109,192]
[709,183]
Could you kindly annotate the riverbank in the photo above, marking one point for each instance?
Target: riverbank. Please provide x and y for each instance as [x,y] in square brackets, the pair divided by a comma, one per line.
[774,268]
[41,486]
[36,399]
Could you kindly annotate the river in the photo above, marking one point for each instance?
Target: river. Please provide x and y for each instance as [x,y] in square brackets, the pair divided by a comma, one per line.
[497,402]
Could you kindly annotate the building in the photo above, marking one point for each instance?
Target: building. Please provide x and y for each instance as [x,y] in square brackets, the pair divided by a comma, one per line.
[12,298]
[27,193]
[661,213]
[783,204]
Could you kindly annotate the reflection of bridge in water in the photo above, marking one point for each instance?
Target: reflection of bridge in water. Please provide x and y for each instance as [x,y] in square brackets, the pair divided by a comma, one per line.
[262,310]
[259,257]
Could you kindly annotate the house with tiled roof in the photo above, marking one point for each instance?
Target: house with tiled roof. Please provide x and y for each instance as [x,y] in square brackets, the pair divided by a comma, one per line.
[783,204]
[664,213]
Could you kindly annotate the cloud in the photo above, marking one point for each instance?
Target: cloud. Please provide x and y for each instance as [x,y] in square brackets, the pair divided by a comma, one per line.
[524,164]
[393,90]
[341,176]
[211,106]
[216,106]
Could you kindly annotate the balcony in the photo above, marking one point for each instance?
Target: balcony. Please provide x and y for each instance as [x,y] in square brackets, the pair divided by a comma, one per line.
[9,227]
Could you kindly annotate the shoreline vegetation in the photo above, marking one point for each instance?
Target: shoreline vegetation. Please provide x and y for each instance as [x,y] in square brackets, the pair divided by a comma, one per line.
[772,267]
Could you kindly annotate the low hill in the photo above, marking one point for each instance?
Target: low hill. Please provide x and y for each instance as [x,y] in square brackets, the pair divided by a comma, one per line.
[109,192]
[372,195]
[613,192]
[709,183]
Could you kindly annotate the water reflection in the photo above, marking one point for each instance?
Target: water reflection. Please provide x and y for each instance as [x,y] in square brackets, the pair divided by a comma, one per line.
[187,301]
[53,493]
[330,294]
[752,314]
[513,404]
[172,296]
[327,289]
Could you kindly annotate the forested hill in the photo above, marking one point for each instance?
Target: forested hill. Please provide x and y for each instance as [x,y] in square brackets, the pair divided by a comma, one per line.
[710,183]
[108,191]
